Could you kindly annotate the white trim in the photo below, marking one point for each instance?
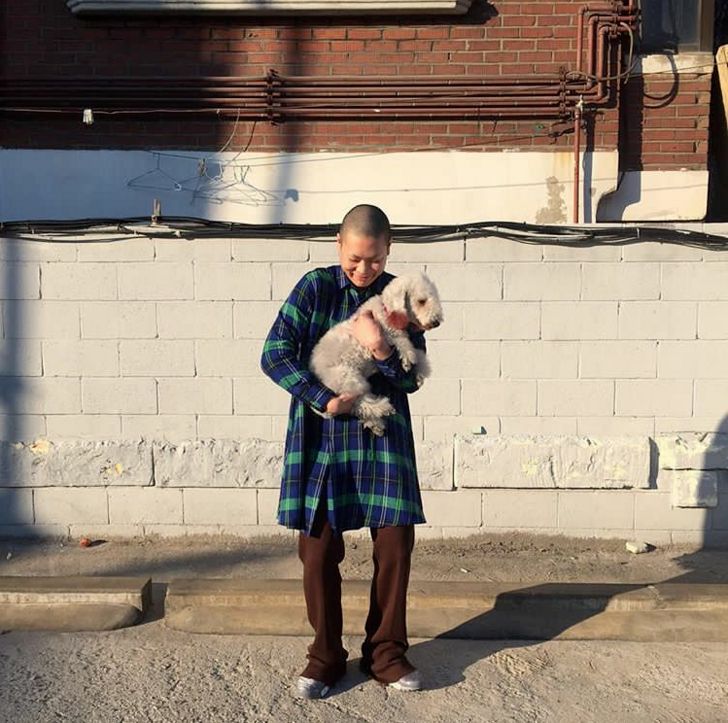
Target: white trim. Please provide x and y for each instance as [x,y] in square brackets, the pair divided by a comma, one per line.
[271,7]
[681,63]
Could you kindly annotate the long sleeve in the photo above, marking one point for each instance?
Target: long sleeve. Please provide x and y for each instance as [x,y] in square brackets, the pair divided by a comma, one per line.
[281,351]
[391,367]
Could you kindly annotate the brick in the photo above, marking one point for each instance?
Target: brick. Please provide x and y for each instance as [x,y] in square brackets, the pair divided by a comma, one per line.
[121,250]
[657,320]
[158,426]
[502,320]
[268,506]
[214,507]
[698,281]
[519,509]
[603,509]
[41,319]
[229,426]
[713,320]
[155,281]
[647,397]
[195,396]
[474,359]
[576,397]
[620,281]
[70,505]
[16,506]
[79,281]
[21,358]
[156,357]
[20,281]
[118,396]
[232,281]
[580,321]
[511,398]
[83,426]
[653,511]
[273,249]
[692,359]
[495,250]
[618,359]
[437,396]
[145,505]
[534,282]
[195,319]
[467,282]
[228,358]
[462,508]
[428,252]
[64,358]
[118,320]
[539,359]
[200,249]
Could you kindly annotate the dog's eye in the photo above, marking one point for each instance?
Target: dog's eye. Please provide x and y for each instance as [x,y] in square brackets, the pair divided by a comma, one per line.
[421,301]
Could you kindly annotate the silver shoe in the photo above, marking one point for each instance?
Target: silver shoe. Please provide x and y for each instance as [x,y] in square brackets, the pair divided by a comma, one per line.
[311,689]
[410,682]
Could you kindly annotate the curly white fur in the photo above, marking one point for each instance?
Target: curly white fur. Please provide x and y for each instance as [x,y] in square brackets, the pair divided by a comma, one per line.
[343,364]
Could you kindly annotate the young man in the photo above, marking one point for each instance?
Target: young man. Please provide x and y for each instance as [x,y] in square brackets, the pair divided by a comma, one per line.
[338,476]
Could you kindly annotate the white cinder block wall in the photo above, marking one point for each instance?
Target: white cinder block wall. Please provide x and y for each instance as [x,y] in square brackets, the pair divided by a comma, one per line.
[131,388]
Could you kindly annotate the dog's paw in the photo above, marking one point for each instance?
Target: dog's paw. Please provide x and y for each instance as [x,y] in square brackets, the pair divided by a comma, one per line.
[409,359]
[376,426]
[383,408]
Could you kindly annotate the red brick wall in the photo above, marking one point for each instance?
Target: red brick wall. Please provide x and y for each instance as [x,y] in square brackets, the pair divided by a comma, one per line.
[509,37]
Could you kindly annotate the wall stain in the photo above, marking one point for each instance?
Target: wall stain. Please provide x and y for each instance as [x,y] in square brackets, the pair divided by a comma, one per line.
[555,210]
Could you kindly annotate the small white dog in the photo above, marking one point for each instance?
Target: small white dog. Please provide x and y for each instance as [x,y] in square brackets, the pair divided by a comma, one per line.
[343,364]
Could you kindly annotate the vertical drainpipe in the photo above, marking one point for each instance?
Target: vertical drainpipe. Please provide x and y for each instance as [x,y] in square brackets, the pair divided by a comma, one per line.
[578,108]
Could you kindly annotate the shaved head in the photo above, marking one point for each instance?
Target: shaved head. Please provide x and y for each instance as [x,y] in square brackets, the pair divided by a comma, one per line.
[366,220]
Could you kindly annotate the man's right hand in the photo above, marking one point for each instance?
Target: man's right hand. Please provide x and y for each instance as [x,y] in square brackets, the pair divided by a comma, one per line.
[343,404]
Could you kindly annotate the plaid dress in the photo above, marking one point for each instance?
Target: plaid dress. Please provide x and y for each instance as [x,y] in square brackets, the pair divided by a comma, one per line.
[367,481]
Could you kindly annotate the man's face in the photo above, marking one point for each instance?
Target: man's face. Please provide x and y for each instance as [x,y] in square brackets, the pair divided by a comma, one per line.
[362,258]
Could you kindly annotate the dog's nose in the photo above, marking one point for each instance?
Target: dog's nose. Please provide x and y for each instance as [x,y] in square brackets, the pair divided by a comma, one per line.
[435,324]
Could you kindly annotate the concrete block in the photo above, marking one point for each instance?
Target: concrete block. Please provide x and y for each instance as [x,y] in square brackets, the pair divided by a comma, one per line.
[576,397]
[692,359]
[227,358]
[119,396]
[199,249]
[64,506]
[216,507]
[694,281]
[12,249]
[41,395]
[591,254]
[323,252]
[620,281]
[158,426]
[16,506]
[22,427]
[718,516]
[535,282]
[78,358]
[462,508]
[260,396]
[443,429]
[539,359]
[285,277]
[254,319]
[121,250]
[157,357]
[437,396]
[710,396]
[713,320]
[692,487]
[155,281]
[579,321]
[508,398]
[551,462]
[518,509]
[268,506]
[218,463]
[41,319]
[232,281]
[231,426]
[659,397]
[71,463]
[434,465]
[195,319]
[665,425]
[615,426]
[657,320]
[21,357]
[20,281]
[104,532]
[457,359]
[79,281]
[206,395]
[695,451]
[145,505]
[118,320]
[651,251]
[467,282]
[618,359]
[272,249]
[34,532]
[496,250]
[538,425]
[83,426]
[502,320]
[604,509]
[428,252]
[654,511]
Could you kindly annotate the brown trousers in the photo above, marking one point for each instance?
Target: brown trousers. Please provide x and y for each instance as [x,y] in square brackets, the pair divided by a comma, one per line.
[385,645]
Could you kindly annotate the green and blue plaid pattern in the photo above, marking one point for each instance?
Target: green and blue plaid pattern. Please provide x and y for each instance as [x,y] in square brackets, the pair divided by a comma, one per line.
[367,481]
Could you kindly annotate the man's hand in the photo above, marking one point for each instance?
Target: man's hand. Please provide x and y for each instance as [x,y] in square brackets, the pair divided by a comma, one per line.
[369,334]
[343,404]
